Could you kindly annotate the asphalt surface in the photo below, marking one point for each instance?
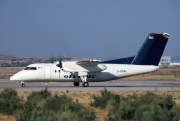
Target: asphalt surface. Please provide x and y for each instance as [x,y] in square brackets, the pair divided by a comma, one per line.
[116,85]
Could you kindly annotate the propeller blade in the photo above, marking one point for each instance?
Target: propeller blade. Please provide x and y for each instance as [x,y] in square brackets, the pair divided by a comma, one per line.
[60,62]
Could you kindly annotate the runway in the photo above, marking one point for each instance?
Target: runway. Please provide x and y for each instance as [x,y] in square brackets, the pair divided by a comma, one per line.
[116,85]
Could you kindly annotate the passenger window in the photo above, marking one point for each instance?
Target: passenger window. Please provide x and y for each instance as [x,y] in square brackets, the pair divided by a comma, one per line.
[55,71]
[59,70]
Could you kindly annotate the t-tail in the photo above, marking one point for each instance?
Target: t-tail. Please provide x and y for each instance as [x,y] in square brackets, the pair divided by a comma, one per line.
[152,49]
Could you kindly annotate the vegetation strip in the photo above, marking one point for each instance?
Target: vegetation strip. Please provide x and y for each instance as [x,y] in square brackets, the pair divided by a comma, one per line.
[64,106]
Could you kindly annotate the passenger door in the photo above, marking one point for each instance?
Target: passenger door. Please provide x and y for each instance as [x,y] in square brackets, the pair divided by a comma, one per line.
[47,73]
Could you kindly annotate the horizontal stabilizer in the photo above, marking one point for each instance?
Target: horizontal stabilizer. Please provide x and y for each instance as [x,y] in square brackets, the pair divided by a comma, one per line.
[127,60]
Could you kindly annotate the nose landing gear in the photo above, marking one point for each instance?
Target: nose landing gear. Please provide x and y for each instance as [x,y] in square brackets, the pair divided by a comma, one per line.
[22,84]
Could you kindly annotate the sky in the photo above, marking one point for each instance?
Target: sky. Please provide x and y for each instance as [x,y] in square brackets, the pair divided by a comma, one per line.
[96,29]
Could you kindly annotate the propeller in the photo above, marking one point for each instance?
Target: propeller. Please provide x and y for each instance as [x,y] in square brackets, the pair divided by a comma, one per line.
[59,65]
[60,62]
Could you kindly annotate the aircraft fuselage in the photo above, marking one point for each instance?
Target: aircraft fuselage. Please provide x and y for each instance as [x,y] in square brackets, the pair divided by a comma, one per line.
[52,73]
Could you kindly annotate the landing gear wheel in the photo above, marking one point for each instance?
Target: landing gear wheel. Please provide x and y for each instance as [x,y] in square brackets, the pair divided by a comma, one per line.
[22,84]
[76,84]
[85,84]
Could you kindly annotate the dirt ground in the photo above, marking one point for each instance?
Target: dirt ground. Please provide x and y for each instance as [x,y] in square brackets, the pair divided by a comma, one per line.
[7,118]
[7,72]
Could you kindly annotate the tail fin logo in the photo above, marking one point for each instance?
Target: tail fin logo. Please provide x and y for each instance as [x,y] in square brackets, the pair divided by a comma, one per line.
[151,37]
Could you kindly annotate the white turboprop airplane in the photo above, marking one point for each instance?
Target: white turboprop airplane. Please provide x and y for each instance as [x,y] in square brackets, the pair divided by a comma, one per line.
[146,60]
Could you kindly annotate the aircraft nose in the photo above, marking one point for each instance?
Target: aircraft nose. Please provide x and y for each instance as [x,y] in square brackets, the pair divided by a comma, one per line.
[12,78]
[16,77]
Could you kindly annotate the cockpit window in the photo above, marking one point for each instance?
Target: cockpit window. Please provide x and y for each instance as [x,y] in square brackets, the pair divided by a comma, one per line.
[27,68]
[33,68]
[30,68]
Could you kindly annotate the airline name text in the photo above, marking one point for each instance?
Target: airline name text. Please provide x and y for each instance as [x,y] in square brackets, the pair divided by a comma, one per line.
[76,76]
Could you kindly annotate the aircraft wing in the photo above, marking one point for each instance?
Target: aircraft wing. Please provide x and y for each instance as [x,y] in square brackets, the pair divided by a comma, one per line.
[84,66]
[88,62]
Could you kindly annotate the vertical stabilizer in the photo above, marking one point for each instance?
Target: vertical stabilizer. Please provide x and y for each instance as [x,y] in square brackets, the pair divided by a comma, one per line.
[152,49]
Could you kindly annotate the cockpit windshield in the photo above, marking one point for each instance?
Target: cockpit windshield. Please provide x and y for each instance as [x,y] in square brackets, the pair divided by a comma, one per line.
[30,68]
[27,68]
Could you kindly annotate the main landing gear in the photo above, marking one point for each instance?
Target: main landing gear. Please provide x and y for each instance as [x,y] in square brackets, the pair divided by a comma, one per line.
[76,84]
[84,80]
[85,84]
[22,84]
